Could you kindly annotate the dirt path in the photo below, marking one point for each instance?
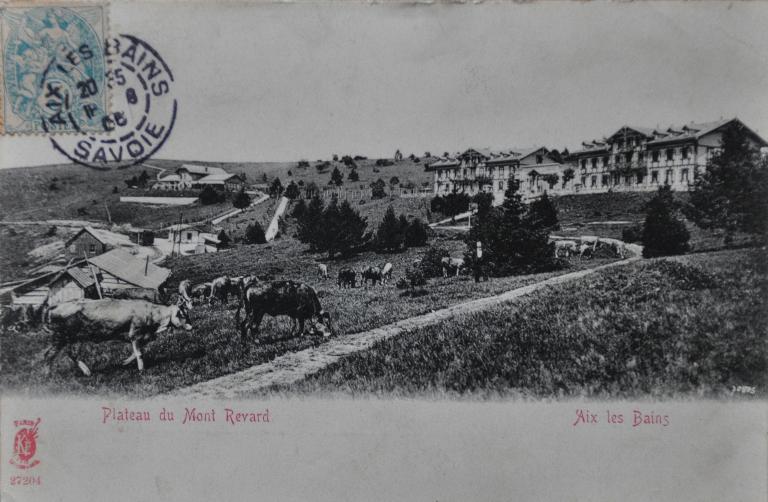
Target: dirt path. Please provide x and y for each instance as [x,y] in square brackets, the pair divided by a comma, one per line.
[295,366]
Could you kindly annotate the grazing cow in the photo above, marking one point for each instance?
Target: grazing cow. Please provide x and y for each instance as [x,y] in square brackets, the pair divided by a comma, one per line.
[449,264]
[221,287]
[567,246]
[293,299]
[134,321]
[372,274]
[200,291]
[184,293]
[588,245]
[386,273]
[347,278]
[323,269]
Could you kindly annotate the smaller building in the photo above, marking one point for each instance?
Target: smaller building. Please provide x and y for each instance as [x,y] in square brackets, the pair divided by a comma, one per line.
[168,182]
[71,283]
[197,177]
[94,241]
[123,274]
[190,239]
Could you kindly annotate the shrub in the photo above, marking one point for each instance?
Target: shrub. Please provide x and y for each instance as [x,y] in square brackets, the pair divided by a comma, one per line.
[377,189]
[299,209]
[276,188]
[147,238]
[451,204]
[632,234]
[302,164]
[543,214]
[394,180]
[415,277]
[224,239]
[53,186]
[292,191]
[336,177]
[353,176]
[241,200]
[115,190]
[416,234]
[51,231]
[431,264]
[254,234]
[384,163]
[663,232]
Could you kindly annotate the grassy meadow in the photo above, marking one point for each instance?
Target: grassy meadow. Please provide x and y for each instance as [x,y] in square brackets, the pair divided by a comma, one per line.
[691,325]
[213,348]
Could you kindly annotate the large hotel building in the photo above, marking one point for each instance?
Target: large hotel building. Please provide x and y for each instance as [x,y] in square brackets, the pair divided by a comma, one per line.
[631,159]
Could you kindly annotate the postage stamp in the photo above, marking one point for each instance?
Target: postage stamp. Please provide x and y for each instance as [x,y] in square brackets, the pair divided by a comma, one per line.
[53,69]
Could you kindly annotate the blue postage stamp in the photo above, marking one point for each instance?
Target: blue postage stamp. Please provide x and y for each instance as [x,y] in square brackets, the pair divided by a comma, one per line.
[53,69]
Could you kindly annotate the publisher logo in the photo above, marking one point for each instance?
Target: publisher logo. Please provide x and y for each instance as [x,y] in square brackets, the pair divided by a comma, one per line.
[25,444]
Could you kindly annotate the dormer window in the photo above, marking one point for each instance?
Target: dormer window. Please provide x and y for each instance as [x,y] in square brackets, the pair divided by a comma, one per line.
[539,159]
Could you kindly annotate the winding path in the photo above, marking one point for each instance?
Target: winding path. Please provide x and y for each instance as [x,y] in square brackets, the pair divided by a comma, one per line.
[295,366]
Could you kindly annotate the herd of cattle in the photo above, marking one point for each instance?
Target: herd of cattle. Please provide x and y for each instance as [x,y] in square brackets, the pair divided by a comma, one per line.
[138,322]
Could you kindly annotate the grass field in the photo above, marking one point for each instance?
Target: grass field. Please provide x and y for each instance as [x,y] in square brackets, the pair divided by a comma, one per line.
[692,325]
[213,349]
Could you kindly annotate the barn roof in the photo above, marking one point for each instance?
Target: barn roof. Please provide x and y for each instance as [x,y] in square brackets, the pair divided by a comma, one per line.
[104,236]
[130,268]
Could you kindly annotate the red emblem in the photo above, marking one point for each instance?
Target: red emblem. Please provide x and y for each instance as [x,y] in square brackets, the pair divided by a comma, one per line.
[25,444]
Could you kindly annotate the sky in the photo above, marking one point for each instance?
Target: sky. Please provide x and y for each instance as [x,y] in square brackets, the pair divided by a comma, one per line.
[289,81]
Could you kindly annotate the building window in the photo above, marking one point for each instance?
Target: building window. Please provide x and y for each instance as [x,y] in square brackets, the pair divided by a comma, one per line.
[91,248]
[583,163]
[189,236]
[628,156]
[604,180]
[617,159]
[655,156]
[654,176]
[684,176]
[501,172]
[594,162]
[605,161]
[685,152]
[668,178]
[639,156]
[627,180]
[583,181]
[594,181]
[501,185]
[539,159]
[640,177]
[670,153]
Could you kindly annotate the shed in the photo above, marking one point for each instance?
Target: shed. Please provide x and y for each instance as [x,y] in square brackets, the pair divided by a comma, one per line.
[94,241]
[120,269]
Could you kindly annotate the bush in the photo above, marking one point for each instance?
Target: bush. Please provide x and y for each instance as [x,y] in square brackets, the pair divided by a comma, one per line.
[384,163]
[417,234]
[51,231]
[299,209]
[663,232]
[147,238]
[276,188]
[353,176]
[431,264]
[115,190]
[208,195]
[415,277]
[451,204]
[241,200]
[377,189]
[224,239]
[336,177]
[254,234]
[394,180]
[292,191]
[632,234]
[302,164]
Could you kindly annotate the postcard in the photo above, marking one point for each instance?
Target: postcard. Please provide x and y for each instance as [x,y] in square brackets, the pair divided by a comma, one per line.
[383,251]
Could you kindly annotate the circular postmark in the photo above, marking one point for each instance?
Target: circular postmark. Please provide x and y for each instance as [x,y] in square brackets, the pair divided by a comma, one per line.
[143,109]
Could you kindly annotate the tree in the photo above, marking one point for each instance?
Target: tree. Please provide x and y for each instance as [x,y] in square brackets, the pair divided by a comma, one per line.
[335,157]
[292,191]
[732,194]
[302,164]
[391,233]
[377,189]
[299,209]
[394,180]
[336,177]
[290,173]
[143,178]
[276,188]
[556,156]
[417,234]
[209,195]
[349,231]
[513,241]
[224,239]
[115,190]
[542,214]
[264,177]
[568,175]
[398,156]
[663,232]
[312,189]
[353,176]
[254,234]
[310,223]
[241,199]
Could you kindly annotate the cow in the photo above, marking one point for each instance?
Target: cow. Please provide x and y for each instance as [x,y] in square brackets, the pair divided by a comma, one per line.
[372,274]
[567,246]
[184,293]
[220,289]
[347,278]
[323,269]
[200,291]
[135,321]
[242,285]
[386,273]
[449,263]
[289,298]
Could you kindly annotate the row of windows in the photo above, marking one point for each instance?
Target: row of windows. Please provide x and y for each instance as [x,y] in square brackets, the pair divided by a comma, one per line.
[669,178]
[669,154]
[443,174]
